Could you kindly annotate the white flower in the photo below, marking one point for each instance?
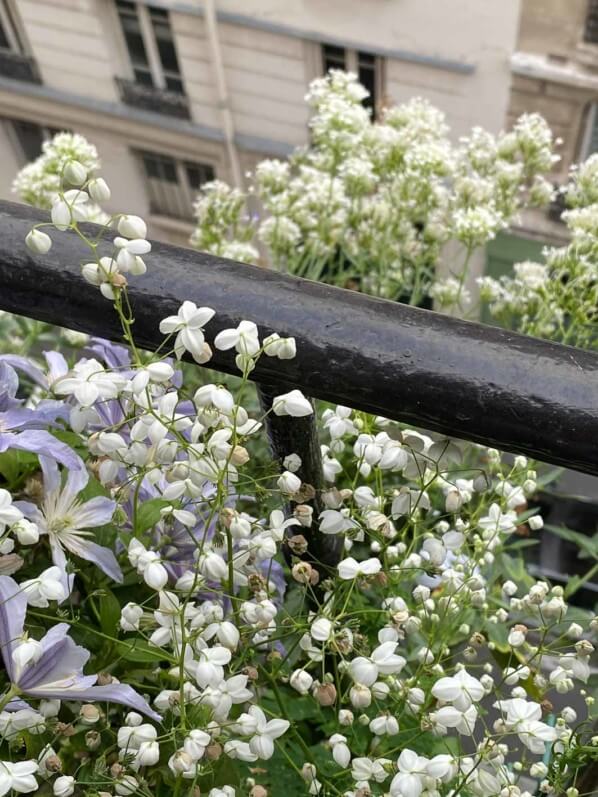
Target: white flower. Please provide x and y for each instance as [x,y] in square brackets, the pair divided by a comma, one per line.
[349,568]
[301,681]
[460,689]
[188,324]
[215,396]
[72,206]
[261,743]
[243,338]
[26,532]
[48,586]
[89,382]
[495,522]
[321,629]
[38,242]
[98,189]
[64,786]
[294,404]
[19,776]
[450,717]
[283,348]
[132,227]
[340,750]
[130,616]
[9,513]
[288,483]
[383,660]
[409,781]
[523,717]
[333,521]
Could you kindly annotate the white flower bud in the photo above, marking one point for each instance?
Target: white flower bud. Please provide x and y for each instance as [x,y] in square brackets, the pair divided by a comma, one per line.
[288,483]
[301,681]
[345,717]
[26,531]
[132,227]
[130,616]
[64,786]
[75,173]
[536,522]
[155,575]
[360,696]
[98,190]
[38,242]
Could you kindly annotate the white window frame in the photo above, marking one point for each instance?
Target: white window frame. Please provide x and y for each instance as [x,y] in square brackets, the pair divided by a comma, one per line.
[352,65]
[150,44]
[10,26]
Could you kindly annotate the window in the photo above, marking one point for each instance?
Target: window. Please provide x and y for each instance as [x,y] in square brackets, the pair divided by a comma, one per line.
[9,35]
[172,183]
[590,32]
[28,137]
[367,67]
[150,44]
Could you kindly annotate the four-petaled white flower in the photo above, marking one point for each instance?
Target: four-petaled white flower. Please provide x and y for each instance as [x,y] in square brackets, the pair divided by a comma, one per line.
[188,325]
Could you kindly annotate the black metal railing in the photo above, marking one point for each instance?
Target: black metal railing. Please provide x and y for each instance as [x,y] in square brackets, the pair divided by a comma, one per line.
[150,98]
[463,379]
[19,67]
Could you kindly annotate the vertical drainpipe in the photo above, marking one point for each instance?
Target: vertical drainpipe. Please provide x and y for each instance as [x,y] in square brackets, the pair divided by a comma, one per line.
[223,97]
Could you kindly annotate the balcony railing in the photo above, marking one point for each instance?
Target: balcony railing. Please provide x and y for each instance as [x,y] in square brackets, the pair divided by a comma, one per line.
[156,100]
[18,66]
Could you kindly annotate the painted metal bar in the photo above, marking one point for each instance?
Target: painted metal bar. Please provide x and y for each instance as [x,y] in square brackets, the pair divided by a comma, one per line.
[463,379]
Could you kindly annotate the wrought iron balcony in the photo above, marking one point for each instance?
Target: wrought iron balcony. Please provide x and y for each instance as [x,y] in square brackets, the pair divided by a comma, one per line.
[150,98]
[18,66]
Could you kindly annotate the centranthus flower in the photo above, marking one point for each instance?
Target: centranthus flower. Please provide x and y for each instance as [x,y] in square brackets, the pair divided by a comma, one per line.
[65,519]
[53,667]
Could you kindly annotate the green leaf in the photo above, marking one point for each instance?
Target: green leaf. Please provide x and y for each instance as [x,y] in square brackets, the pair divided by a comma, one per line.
[587,544]
[148,514]
[140,652]
[109,612]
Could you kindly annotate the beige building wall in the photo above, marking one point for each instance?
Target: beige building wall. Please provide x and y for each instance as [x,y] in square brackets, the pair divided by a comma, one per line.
[455,53]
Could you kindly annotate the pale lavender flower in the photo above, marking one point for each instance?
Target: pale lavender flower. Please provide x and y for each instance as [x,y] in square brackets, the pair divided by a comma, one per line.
[66,520]
[55,672]
[24,428]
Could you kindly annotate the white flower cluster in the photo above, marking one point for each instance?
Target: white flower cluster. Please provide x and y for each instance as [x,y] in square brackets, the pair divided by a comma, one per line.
[371,204]
[557,298]
[39,183]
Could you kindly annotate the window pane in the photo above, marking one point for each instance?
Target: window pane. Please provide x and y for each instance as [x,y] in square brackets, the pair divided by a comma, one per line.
[591,24]
[198,174]
[333,57]
[366,70]
[4,42]
[131,28]
[166,49]
[167,196]
[31,138]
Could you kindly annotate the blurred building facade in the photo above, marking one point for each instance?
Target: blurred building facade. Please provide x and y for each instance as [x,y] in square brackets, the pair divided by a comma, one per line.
[177,92]
[555,73]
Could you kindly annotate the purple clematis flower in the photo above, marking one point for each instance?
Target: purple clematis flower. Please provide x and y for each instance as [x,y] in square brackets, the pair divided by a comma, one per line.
[53,667]
[24,428]
[66,520]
